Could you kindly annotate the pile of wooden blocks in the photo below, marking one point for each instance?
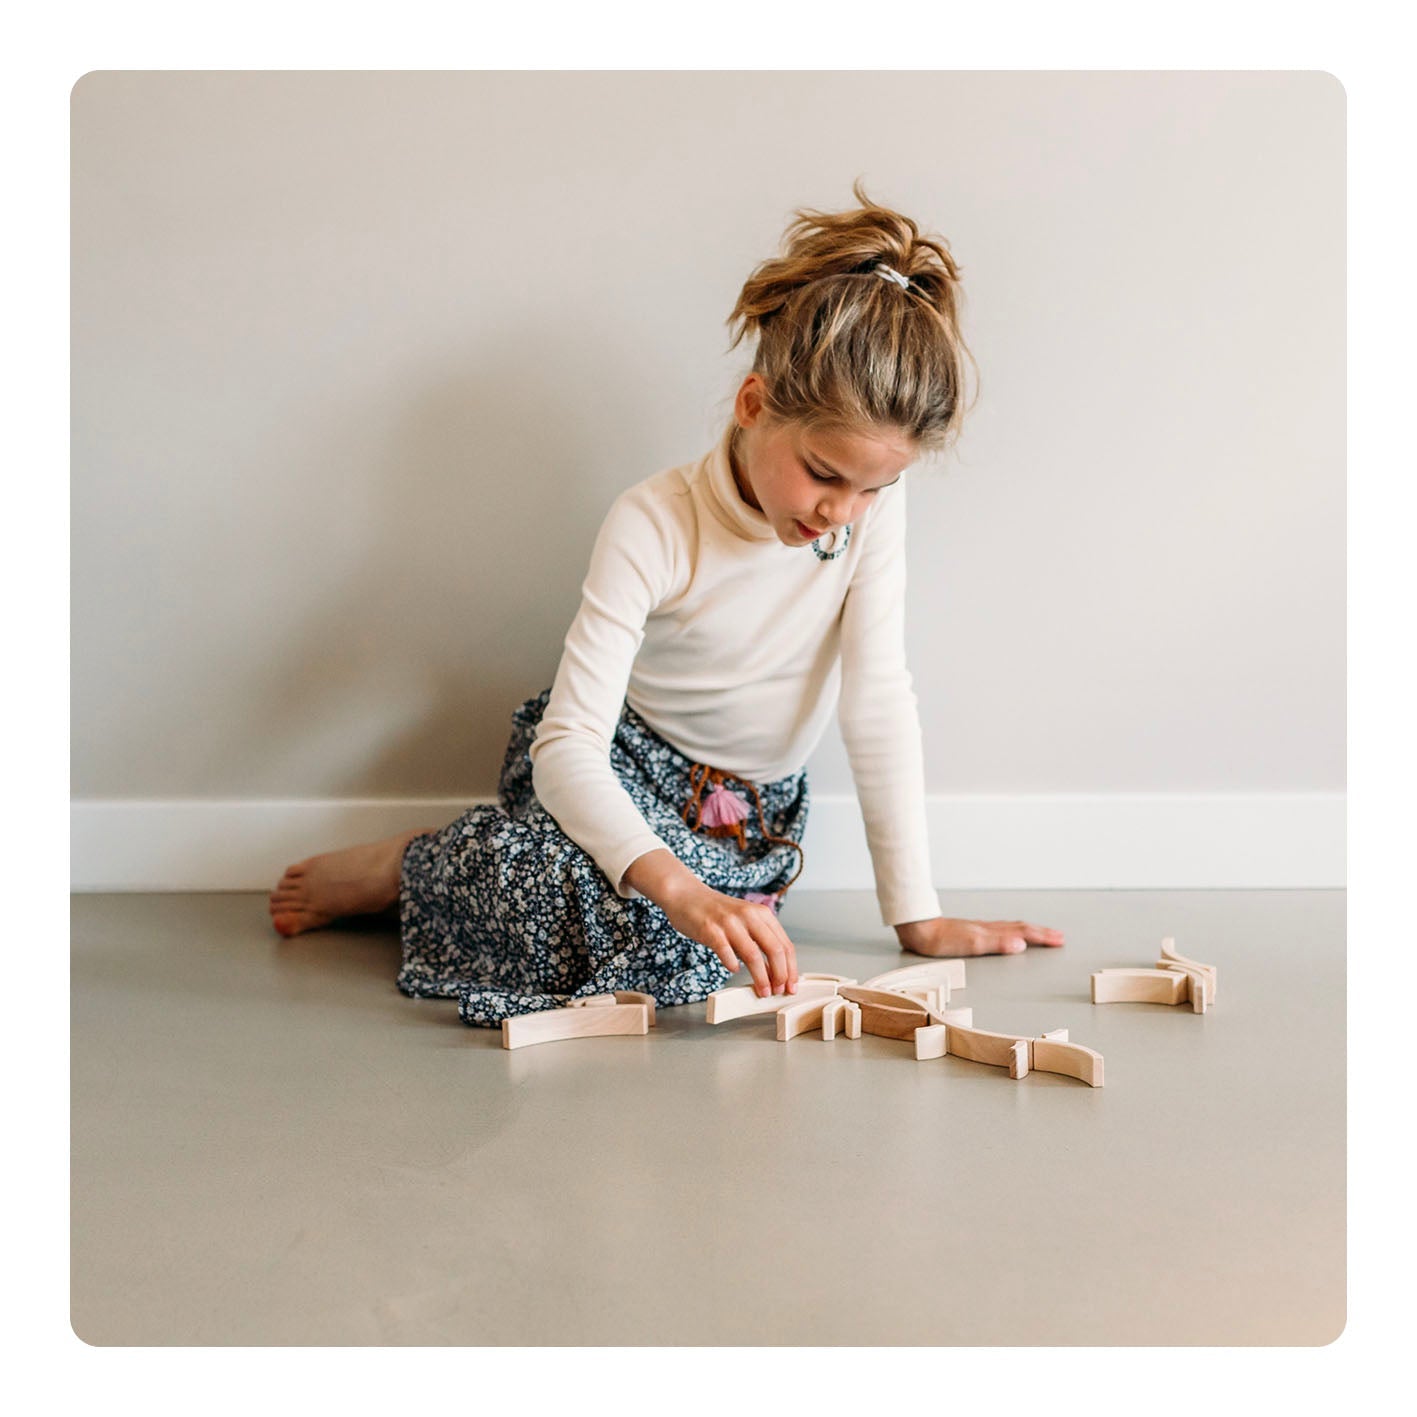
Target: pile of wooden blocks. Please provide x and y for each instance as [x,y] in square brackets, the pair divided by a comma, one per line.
[1175,980]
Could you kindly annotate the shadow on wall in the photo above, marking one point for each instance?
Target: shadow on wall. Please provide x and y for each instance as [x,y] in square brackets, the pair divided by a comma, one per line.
[400,678]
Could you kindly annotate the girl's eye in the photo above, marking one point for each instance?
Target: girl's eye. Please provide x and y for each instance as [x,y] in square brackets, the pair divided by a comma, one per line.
[817,476]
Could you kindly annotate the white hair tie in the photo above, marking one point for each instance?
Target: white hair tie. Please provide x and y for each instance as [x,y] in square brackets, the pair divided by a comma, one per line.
[891,274]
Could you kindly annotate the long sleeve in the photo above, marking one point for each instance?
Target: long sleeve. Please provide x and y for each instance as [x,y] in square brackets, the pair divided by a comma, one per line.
[631,570]
[878,713]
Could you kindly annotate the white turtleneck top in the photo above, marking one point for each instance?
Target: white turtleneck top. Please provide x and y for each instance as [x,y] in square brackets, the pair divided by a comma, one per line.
[736,648]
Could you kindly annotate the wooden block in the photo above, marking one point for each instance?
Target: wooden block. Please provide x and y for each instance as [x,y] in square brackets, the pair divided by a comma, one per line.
[1197,985]
[740,1001]
[886,1022]
[977,1045]
[935,998]
[939,971]
[1170,955]
[930,1041]
[799,1018]
[1018,1060]
[1056,1035]
[833,1011]
[1139,986]
[620,996]
[1205,983]
[882,998]
[1070,1059]
[831,978]
[852,1019]
[553,1025]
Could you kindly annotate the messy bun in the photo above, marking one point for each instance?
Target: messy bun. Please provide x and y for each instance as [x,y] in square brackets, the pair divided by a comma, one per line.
[841,347]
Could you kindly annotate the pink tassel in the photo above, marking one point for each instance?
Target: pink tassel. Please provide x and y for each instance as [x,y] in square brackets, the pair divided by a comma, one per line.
[722,808]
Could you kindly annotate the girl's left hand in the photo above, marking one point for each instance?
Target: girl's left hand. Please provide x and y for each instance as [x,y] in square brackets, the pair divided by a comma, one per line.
[945,937]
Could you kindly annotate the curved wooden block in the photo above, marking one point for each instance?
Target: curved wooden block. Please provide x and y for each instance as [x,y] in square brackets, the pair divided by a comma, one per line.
[886,1022]
[832,978]
[801,1017]
[1198,987]
[960,1018]
[554,1025]
[1169,955]
[938,971]
[833,1012]
[620,996]
[882,998]
[1139,986]
[1070,1059]
[851,1019]
[738,1001]
[978,1045]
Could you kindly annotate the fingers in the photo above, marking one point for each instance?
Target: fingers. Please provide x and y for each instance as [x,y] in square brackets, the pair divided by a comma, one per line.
[1035,934]
[763,946]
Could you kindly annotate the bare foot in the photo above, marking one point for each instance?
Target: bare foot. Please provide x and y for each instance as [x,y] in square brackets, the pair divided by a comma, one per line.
[361,880]
[946,937]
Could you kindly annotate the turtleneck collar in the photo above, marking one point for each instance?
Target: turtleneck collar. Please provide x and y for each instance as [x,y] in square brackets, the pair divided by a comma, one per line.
[726,500]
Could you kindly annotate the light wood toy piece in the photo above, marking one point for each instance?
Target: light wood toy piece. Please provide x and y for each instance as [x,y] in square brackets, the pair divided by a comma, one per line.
[840,1015]
[1197,985]
[739,1001]
[554,1025]
[927,976]
[1071,1059]
[885,1022]
[803,1017]
[1171,958]
[1140,986]
[832,978]
[620,996]
[930,1040]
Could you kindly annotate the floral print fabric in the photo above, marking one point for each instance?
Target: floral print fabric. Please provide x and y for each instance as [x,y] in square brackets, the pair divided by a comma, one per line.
[502,911]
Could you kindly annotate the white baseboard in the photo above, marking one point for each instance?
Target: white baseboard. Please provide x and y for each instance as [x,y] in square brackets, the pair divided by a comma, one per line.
[1058,842]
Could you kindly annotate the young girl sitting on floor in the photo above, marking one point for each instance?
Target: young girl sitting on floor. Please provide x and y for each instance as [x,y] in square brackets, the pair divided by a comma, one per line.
[651,803]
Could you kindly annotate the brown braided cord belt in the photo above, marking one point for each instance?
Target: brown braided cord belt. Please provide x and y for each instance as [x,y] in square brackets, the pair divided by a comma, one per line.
[702,777]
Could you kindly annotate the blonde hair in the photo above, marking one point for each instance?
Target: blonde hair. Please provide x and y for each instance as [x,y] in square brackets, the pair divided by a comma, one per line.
[840,347]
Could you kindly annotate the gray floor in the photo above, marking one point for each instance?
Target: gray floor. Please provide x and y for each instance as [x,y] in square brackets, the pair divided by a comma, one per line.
[271,1145]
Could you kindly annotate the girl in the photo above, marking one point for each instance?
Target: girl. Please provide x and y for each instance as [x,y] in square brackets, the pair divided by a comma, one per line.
[652,802]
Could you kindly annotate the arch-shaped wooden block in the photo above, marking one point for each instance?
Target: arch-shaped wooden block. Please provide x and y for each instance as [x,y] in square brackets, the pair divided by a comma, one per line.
[802,1017]
[739,1001]
[555,1025]
[620,996]
[1070,1059]
[1171,959]
[1198,987]
[1140,986]
[927,976]
[826,978]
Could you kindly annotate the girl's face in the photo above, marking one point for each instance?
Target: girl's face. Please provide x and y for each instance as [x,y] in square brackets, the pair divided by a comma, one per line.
[809,482]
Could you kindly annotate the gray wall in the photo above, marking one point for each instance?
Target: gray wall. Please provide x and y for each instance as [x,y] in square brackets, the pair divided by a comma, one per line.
[361,359]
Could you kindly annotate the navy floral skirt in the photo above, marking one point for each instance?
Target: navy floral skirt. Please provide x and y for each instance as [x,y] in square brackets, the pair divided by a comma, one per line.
[502,911]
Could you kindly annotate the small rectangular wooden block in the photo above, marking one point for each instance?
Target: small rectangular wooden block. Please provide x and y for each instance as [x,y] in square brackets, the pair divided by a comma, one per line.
[833,1010]
[1018,1060]
[930,1041]
[553,1025]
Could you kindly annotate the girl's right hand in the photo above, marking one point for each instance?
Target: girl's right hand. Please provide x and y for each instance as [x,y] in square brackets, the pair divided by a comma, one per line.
[739,930]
